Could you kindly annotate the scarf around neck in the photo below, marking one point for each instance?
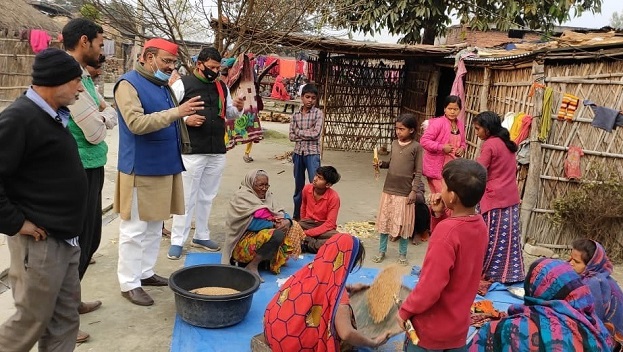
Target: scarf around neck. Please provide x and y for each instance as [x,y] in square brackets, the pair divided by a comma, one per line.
[180,125]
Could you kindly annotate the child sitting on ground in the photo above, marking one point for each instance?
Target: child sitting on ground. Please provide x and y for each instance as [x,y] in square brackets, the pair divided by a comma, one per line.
[319,209]
[439,305]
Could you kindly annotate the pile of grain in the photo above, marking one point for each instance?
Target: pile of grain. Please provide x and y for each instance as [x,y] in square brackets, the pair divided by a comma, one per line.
[214,291]
[362,230]
[382,291]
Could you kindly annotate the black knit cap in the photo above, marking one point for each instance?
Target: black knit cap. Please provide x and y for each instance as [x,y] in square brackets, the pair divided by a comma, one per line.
[54,67]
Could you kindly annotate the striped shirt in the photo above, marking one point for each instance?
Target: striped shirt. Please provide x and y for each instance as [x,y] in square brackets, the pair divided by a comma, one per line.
[87,115]
[305,130]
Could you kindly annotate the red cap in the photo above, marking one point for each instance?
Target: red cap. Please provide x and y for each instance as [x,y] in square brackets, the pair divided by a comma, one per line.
[162,44]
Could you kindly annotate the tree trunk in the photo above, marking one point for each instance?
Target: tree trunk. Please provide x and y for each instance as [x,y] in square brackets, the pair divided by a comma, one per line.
[218,36]
[429,36]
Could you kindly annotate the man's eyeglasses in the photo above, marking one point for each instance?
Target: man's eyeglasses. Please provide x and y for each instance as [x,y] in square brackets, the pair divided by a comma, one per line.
[168,61]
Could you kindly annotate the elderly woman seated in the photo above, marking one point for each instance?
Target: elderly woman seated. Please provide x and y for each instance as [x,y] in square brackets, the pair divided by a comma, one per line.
[259,231]
[589,260]
[558,315]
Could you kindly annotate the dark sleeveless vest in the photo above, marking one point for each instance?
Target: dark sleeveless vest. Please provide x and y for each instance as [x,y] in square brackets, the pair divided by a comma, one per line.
[209,138]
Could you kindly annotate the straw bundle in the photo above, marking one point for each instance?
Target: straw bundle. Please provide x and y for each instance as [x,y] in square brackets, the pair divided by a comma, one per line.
[382,292]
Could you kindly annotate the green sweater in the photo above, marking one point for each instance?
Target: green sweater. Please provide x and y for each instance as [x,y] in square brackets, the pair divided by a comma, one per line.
[92,155]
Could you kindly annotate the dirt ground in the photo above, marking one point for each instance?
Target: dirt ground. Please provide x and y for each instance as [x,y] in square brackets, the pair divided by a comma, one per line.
[122,326]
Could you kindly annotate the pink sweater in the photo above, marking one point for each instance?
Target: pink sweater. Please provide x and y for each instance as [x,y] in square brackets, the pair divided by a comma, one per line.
[439,305]
[434,138]
[501,191]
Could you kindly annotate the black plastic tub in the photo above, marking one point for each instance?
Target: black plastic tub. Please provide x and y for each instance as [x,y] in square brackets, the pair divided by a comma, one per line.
[213,311]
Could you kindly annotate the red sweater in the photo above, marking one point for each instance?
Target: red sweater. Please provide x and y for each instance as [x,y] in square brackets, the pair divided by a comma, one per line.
[439,305]
[501,190]
[323,210]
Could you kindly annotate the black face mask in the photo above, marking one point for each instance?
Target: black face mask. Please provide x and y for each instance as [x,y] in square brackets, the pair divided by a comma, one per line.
[209,74]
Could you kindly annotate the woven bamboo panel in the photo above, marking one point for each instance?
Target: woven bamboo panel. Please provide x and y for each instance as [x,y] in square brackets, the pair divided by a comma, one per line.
[16,59]
[361,101]
[417,98]
[580,133]
[474,83]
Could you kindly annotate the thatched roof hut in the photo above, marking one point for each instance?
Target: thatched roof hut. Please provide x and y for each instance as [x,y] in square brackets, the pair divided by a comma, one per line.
[16,54]
[19,14]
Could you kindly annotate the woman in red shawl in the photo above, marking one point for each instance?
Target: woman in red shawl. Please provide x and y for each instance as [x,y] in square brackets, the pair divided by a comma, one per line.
[322,319]
[279,89]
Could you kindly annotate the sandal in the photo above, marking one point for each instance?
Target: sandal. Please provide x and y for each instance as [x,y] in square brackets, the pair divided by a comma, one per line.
[378,258]
[402,260]
[247,158]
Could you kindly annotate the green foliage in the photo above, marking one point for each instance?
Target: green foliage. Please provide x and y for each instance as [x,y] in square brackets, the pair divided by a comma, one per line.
[591,207]
[91,12]
[616,21]
[410,17]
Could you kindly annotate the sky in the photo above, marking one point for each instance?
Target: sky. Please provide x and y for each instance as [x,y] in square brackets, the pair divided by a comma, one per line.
[587,20]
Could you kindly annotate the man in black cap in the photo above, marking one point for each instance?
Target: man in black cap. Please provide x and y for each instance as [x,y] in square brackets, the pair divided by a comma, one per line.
[42,191]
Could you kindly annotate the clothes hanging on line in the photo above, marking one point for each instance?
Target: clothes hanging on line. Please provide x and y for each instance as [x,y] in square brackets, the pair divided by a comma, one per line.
[39,40]
[605,118]
[573,167]
[109,48]
[546,118]
[568,106]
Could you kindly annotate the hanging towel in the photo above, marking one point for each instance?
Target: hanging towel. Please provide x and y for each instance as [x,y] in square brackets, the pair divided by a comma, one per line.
[568,106]
[546,117]
[287,68]
[514,132]
[573,169]
[458,88]
[39,40]
[109,48]
[605,118]
[524,130]
[509,118]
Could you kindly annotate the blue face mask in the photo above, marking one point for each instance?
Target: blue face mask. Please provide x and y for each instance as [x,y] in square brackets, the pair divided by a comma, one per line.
[162,76]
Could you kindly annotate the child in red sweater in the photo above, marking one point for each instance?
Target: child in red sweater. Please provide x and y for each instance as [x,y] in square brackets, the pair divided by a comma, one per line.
[319,209]
[439,305]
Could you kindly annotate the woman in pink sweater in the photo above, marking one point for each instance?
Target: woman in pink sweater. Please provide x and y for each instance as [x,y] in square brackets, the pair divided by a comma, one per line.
[500,204]
[443,140]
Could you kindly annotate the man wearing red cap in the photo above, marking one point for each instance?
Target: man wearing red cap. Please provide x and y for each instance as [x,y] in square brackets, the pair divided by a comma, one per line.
[149,188]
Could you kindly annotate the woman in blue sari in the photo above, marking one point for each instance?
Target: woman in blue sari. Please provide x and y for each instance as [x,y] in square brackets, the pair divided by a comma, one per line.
[589,259]
[557,315]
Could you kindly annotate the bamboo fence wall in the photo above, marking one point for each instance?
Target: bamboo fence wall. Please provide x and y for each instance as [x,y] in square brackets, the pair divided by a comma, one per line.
[16,59]
[420,91]
[505,89]
[601,82]
[361,100]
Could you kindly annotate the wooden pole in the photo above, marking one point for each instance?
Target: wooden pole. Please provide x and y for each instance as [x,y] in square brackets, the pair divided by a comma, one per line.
[533,182]
[325,82]
[484,101]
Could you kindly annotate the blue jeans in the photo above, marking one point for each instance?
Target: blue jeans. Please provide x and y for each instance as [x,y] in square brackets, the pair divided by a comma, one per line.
[301,163]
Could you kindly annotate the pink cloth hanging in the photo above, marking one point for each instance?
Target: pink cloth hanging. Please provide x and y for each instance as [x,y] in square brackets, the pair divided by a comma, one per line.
[39,40]
[458,88]
[573,168]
